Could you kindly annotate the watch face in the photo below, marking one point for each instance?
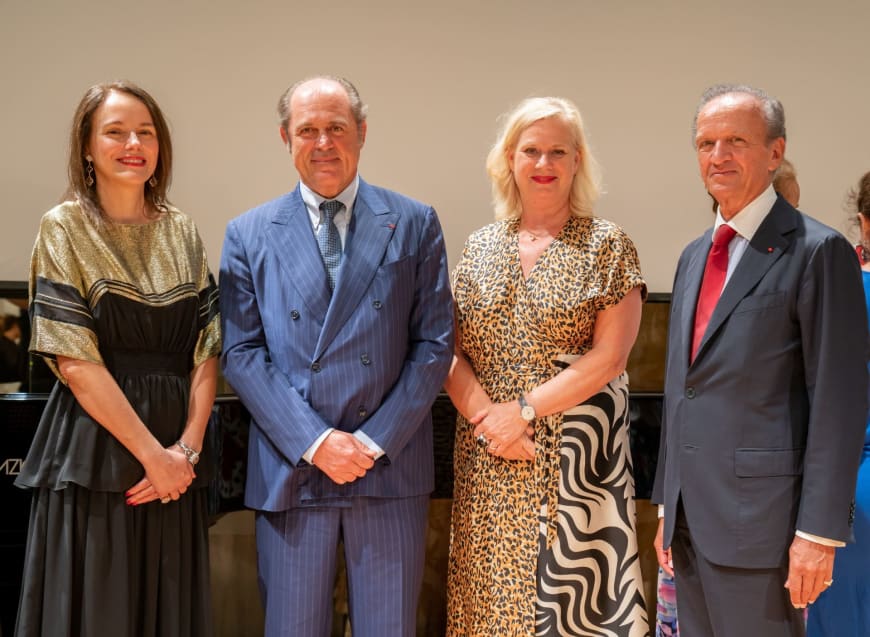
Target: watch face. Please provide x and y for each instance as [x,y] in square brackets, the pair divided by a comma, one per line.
[528,412]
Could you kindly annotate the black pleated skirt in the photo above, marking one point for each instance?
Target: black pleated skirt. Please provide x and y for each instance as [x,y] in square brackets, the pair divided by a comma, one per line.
[97,567]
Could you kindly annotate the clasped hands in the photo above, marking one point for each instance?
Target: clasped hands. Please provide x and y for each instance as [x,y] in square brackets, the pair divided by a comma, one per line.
[343,457]
[167,477]
[506,434]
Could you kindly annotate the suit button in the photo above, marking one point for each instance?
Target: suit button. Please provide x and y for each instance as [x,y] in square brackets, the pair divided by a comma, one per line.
[377,304]
[362,413]
[315,367]
[294,314]
[365,360]
[690,392]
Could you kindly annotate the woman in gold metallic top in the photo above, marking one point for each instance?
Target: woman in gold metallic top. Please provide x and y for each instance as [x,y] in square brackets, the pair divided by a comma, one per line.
[124,310]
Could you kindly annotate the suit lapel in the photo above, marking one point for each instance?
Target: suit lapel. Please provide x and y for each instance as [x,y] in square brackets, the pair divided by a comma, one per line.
[766,247]
[371,228]
[292,241]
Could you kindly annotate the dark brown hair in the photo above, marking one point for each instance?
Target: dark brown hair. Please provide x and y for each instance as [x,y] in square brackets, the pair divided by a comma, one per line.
[858,200]
[859,197]
[80,136]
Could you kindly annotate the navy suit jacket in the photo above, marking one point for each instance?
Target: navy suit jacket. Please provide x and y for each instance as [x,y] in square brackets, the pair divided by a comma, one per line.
[370,356]
[762,433]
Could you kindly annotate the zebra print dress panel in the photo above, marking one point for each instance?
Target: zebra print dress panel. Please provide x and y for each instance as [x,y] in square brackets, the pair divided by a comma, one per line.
[589,580]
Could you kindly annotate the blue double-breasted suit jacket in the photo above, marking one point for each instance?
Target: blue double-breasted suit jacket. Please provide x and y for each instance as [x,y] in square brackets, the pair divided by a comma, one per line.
[370,356]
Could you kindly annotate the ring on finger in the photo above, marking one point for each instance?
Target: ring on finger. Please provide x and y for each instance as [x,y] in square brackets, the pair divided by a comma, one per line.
[165,500]
[482,439]
[829,582]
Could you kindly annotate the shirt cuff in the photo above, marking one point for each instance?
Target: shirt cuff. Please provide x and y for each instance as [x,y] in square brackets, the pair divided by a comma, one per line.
[819,540]
[368,442]
[308,456]
[661,511]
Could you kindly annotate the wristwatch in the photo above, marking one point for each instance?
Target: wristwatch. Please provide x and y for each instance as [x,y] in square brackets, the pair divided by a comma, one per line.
[191,455]
[526,410]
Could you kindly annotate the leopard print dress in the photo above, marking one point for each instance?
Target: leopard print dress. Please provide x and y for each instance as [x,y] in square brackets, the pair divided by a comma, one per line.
[519,565]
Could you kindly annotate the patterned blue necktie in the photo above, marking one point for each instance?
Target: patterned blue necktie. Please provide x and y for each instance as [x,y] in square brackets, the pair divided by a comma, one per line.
[328,239]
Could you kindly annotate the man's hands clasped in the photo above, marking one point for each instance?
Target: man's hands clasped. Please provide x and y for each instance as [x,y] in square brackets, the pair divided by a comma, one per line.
[343,457]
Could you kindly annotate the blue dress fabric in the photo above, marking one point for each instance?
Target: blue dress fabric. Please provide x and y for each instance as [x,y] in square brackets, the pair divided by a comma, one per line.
[844,608]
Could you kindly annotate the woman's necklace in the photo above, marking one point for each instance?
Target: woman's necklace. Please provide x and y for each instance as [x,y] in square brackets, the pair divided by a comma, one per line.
[547,230]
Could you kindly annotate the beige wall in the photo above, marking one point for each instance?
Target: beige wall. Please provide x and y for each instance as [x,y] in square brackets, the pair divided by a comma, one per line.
[435,75]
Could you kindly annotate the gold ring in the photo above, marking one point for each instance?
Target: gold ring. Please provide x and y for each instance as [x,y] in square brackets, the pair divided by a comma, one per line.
[165,500]
[829,582]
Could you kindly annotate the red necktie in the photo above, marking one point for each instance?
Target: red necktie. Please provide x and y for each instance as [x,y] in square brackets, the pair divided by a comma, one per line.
[714,281]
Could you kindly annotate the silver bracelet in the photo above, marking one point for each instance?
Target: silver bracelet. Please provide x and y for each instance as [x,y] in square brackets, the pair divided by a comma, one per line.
[191,455]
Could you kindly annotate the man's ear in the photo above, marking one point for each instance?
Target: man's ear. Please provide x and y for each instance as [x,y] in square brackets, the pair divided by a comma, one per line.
[285,137]
[363,128]
[777,153]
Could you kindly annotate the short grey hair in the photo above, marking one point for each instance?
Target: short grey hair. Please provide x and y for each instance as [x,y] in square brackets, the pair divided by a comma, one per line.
[357,107]
[771,108]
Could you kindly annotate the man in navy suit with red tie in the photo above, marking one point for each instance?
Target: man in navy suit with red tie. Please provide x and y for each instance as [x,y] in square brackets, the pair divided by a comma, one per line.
[765,390]
[338,334]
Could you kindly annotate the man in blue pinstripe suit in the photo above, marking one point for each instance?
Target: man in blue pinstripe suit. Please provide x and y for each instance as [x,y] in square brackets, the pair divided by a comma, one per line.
[337,320]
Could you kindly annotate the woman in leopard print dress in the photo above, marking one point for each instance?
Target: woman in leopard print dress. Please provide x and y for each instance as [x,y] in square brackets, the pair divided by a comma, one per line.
[548,302]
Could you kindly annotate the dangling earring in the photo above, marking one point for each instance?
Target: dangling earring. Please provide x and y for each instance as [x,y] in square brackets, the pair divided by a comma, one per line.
[153,181]
[89,172]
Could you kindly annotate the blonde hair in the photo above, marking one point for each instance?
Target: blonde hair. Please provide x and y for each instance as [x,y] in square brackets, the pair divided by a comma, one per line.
[586,186]
[785,172]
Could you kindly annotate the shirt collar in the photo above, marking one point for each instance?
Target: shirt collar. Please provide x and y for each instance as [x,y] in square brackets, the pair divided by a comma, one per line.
[747,221]
[313,200]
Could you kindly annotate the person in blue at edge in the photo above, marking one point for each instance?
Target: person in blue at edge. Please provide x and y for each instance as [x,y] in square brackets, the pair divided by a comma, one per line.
[844,609]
